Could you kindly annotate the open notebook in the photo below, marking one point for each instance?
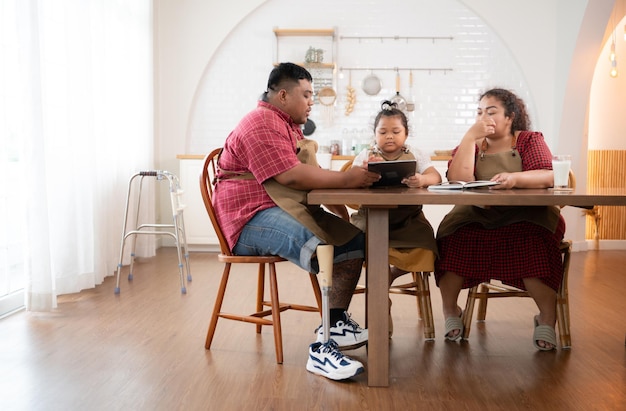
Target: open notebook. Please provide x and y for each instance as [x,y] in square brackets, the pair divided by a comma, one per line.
[392,172]
[462,185]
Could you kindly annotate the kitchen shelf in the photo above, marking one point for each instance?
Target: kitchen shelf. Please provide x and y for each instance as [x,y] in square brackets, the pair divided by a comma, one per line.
[323,72]
[330,33]
[304,32]
[324,66]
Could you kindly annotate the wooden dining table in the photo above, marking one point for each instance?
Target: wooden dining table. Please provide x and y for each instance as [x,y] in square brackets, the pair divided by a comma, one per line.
[378,202]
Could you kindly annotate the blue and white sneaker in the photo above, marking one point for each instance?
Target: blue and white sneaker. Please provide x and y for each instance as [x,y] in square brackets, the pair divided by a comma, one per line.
[346,333]
[325,359]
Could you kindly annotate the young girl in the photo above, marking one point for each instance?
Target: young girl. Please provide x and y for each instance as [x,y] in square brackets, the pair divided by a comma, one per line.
[411,238]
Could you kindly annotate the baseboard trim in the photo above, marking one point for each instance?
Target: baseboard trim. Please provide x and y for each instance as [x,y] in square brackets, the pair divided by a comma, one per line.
[587,245]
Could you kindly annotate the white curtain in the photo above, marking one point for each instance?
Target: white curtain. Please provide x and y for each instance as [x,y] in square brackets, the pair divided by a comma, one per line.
[77,117]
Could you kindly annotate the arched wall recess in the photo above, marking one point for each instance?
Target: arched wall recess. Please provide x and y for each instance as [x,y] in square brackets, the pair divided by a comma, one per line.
[444,101]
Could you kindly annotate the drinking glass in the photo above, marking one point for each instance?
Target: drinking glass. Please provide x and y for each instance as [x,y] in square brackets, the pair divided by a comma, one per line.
[561,164]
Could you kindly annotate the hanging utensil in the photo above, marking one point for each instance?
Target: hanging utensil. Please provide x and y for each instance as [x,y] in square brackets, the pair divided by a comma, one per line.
[371,85]
[327,97]
[351,96]
[398,99]
[410,104]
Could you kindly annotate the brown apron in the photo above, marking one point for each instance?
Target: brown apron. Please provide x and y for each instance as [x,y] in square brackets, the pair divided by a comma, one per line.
[412,244]
[487,166]
[327,226]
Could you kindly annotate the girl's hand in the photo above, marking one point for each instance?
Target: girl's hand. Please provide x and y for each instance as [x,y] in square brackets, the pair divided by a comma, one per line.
[414,181]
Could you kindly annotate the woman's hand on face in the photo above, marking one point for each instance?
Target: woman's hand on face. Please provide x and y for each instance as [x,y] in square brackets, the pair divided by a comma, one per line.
[482,128]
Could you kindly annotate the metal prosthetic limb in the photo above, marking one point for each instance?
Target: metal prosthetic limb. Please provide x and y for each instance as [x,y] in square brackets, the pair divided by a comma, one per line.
[325,256]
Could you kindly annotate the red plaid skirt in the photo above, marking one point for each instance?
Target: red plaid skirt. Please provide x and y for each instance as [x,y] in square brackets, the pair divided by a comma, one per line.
[509,254]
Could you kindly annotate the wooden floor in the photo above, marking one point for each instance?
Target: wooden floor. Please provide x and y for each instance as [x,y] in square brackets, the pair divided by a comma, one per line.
[144,350]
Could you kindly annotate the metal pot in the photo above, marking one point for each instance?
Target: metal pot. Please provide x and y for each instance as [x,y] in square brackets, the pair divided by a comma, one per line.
[398,99]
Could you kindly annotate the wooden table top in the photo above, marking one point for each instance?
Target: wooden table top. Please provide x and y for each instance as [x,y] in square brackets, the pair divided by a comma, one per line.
[385,197]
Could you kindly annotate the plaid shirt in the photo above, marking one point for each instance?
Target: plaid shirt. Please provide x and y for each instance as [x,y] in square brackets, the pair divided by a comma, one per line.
[532,148]
[264,144]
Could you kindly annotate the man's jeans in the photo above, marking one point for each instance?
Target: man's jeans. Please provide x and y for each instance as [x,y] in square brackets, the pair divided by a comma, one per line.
[275,232]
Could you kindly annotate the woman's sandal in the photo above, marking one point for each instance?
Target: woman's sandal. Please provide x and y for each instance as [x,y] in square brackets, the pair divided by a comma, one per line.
[454,323]
[543,333]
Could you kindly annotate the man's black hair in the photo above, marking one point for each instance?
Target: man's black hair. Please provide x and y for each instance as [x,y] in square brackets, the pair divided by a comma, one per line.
[287,72]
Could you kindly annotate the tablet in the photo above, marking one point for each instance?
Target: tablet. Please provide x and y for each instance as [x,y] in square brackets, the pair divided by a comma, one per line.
[392,172]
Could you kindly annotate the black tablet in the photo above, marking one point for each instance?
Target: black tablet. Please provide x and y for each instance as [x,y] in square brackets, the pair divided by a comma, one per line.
[392,172]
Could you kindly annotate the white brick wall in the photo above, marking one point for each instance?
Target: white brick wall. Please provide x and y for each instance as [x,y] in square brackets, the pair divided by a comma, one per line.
[445,103]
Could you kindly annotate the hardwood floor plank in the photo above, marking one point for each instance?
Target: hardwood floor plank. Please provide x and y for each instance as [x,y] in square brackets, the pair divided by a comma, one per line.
[144,350]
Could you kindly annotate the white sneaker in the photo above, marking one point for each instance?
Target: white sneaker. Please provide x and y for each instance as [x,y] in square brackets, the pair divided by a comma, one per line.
[346,333]
[325,359]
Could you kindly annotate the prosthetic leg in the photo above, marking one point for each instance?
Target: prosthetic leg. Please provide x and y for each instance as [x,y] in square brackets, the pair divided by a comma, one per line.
[325,254]
[324,357]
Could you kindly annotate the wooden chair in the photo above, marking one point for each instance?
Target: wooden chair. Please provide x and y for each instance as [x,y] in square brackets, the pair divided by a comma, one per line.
[418,287]
[258,317]
[486,290]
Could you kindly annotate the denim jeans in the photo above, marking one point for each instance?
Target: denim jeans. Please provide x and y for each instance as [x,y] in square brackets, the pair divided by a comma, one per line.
[275,232]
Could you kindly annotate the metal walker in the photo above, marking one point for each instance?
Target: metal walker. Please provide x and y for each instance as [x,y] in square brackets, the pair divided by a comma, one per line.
[175,230]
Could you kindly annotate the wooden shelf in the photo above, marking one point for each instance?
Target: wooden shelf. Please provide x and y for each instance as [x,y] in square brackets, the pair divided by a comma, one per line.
[190,156]
[326,66]
[304,32]
[440,158]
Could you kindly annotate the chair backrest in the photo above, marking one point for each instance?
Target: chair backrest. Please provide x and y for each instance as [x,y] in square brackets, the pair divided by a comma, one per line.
[207,185]
[571,180]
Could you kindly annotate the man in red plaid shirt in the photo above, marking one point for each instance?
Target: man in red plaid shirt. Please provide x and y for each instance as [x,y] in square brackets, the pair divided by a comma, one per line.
[265,170]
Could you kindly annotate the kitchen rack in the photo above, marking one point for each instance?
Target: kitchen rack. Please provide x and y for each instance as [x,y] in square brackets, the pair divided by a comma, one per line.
[429,69]
[395,38]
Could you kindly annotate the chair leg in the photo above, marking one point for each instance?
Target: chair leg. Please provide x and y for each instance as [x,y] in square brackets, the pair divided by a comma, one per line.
[562,304]
[482,303]
[562,318]
[260,292]
[425,305]
[275,303]
[469,311]
[217,307]
[417,280]
[316,291]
